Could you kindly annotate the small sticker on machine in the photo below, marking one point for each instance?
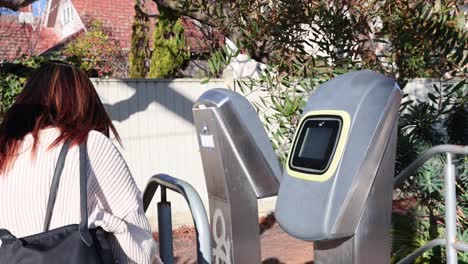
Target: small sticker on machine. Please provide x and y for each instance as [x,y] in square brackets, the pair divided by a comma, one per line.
[207,141]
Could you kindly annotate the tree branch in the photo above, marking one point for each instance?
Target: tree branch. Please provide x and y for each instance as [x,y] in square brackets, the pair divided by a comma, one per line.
[217,16]
[143,10]
[15,4]
[195,14]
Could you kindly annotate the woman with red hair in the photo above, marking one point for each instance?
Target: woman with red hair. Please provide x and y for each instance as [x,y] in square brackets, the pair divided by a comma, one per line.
[59,105]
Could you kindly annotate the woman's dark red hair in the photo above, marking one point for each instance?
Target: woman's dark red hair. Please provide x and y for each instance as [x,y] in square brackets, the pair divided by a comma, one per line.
[56,95]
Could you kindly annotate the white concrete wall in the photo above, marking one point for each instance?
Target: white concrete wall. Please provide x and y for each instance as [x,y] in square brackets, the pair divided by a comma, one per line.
[154,119]
[418,88]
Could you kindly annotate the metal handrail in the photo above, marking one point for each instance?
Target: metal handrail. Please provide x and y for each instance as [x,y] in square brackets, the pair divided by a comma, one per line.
[450,203]
[418,252]
[195,204]
[460,245]
[408,171]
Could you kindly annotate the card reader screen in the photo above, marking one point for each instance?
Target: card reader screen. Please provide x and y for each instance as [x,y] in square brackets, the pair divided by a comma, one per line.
[316,144]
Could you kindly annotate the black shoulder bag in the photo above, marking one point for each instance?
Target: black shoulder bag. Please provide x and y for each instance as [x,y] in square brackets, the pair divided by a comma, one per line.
[71,244]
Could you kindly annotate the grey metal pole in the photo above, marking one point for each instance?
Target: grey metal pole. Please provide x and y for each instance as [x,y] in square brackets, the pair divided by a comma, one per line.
[195,204]
[450,211]
[166,251]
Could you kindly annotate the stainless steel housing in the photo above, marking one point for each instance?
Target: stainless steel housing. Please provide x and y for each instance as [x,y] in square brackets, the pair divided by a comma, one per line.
[350,212]
[240,166]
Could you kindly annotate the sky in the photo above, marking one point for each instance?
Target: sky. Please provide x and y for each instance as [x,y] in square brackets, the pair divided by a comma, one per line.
[38,8]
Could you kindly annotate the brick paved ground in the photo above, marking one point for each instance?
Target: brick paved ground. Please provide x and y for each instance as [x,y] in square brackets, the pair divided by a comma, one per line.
[277,246]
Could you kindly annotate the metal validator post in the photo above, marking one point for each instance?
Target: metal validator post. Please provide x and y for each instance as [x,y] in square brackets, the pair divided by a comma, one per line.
[337,187]
[240,166]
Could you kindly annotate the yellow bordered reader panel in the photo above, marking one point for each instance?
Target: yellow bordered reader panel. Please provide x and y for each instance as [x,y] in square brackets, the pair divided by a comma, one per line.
[318,145]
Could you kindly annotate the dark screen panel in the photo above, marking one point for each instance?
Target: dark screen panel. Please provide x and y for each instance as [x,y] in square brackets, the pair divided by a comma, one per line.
[316,144]
[318,136]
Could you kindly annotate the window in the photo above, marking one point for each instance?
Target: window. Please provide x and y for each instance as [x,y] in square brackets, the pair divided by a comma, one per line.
[67,14]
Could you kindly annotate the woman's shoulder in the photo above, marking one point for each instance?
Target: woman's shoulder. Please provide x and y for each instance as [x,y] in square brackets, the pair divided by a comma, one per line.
[110,175]
[100,144]
[96,137]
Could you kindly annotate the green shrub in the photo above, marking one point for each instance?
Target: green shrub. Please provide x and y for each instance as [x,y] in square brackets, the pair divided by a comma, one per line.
[423,124]
[139,51]
[96,53]
[10,86]
[169,50]
[13,75]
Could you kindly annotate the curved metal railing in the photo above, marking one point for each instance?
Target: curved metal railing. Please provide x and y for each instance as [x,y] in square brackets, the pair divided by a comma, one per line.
[450,240]
[428,154]
[197,209]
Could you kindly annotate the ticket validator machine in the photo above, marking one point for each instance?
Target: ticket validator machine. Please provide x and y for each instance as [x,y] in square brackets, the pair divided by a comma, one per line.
[240,166]
[338,182]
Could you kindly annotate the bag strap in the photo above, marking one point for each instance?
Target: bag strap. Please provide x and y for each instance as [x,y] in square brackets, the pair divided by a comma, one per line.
[55,183]
[83,227]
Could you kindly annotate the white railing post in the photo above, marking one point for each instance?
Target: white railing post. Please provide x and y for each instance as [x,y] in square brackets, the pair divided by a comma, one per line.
[450,211]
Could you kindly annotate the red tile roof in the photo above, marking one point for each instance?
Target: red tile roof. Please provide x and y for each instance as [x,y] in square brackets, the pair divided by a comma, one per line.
[14,38]
[17,39]
[49,38]
[117,17]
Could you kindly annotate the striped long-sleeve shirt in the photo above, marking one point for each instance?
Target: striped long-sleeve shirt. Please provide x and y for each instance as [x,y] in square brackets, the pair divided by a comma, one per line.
[114,201]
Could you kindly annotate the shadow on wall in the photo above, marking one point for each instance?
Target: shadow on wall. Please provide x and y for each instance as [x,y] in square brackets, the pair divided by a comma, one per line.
[145,93]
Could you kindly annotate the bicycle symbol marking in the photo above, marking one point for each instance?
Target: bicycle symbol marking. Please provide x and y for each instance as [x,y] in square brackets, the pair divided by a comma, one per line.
[222,250]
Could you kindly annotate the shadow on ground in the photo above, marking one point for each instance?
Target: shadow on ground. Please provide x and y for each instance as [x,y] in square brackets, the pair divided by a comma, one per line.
[277,261]
[277,246]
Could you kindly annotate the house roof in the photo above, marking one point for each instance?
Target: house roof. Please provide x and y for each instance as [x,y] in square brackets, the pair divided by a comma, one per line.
[49,39]
[17,38]
[13,37]
[116,15]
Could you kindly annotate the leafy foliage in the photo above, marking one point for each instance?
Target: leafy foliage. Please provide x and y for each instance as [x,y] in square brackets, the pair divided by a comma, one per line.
[11,86]
[94,52]
[97,53]
[169,52]
[422,125]
[427,40]
[139,51]
[408,235]
[13,76]
[418,39]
